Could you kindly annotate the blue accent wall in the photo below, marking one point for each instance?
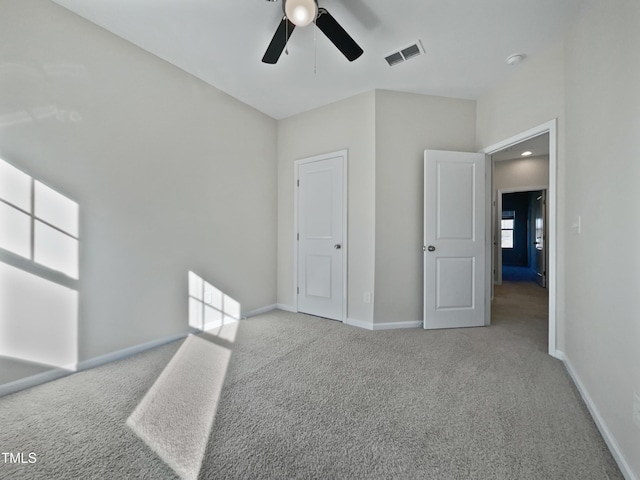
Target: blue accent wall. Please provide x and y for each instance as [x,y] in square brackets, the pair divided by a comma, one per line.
[519,254]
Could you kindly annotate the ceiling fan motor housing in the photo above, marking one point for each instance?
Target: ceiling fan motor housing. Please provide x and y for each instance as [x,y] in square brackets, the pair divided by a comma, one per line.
[300,12]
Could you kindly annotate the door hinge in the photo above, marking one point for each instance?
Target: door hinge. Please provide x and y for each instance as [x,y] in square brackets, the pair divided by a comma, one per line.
[298,290]
[298,237]
[298,183]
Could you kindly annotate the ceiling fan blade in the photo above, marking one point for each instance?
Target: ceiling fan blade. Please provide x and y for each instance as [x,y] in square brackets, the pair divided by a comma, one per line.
[279,41]
[338,36]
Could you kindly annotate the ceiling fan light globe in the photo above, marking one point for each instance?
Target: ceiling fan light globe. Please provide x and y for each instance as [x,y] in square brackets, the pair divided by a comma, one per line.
[301,12]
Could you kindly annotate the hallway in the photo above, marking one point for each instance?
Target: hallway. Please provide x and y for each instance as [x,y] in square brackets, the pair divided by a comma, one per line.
[522,307]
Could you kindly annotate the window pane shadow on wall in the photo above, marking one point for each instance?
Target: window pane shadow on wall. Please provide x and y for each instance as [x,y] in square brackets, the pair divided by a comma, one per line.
[210,308]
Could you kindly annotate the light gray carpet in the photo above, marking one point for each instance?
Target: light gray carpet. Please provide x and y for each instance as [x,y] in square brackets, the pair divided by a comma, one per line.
[304,397]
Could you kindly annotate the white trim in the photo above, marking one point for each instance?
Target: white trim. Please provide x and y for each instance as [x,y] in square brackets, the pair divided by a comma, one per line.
[359,323]
[345,244]
[488,238]
[383,326]
[523,189]
[608,437]
[552,212]
[54,374]
[33,381]
[260,311]
[129,351]
[521,137]
[397,325]
[286,308]
[494,227]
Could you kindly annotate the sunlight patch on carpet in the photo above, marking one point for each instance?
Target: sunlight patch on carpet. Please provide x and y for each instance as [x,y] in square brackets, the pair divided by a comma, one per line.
[175,417]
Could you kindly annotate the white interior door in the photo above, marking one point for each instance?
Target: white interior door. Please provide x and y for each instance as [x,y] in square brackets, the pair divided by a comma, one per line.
[540,248]
[321,249]
[454,239]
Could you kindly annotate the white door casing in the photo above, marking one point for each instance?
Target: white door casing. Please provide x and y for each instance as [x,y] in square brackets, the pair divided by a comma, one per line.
[454,239]
[551,258]
[321,235]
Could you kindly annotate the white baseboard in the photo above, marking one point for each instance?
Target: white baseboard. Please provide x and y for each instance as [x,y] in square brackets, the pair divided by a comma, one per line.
[396,325]
[33,380]
[129,351]
[286,308]
[609,439]
[359,323]
[382,326]
[54,374]
[259,311]
[558,354]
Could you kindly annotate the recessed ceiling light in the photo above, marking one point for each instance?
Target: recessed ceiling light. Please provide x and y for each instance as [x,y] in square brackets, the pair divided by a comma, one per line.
[526,154]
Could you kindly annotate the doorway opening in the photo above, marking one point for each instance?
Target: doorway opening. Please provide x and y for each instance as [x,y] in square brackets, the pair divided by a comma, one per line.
[521,234]
[513,172]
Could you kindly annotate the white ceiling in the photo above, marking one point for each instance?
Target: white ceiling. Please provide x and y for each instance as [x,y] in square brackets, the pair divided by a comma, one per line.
[222,43]
[538,146]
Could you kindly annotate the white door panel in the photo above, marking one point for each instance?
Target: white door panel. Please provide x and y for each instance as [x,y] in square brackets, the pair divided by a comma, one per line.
[320,237]
[454,283]
[540,248]
[454,239]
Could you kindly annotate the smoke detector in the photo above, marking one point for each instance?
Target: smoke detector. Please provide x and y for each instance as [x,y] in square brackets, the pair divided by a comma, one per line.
[514,59]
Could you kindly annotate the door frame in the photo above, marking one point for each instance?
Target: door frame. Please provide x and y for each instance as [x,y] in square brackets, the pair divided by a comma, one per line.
[550,127]
[498,257]
[345,244]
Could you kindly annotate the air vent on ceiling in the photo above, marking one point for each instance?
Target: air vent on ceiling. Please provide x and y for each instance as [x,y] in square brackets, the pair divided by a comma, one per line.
[405,54]
[394,59]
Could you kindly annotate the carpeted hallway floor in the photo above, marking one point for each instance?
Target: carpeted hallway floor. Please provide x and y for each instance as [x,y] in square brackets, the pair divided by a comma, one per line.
[286,395]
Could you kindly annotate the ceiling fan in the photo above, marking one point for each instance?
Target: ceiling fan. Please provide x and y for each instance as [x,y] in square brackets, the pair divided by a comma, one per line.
[301,13]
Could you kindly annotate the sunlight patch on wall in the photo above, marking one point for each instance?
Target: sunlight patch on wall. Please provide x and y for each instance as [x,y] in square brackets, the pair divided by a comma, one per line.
[38,223]
[38,319]
[210,308]
[39,271]
[176,416]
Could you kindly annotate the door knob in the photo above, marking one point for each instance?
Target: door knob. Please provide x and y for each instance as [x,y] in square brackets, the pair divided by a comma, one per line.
[431,248]
[337,246]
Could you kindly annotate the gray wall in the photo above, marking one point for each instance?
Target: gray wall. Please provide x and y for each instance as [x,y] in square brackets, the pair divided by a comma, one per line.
[171,175]
[348,124]
[602,172]
[590,81]
[521,173]
[386,134]
[406,125]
